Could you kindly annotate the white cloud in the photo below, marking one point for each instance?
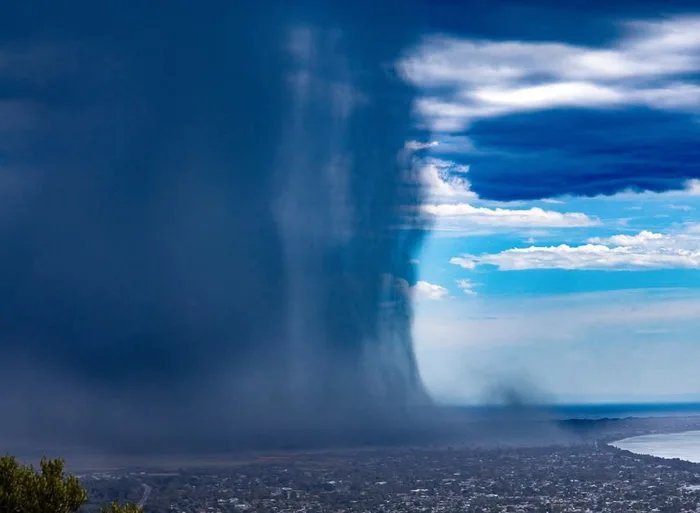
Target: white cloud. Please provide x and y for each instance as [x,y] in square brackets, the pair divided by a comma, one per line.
[424,290]
[444,180]
[649,66]
[463,262]
[639,240]
[643,251]
[555,94]
[467,286]
[418,145]
[692,187]
[513,218]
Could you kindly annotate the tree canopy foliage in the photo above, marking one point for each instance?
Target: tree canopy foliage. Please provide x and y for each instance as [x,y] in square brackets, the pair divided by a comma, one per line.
[48,490]
[117,508]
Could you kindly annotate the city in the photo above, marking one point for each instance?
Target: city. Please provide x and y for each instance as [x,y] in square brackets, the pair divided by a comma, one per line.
[583,476]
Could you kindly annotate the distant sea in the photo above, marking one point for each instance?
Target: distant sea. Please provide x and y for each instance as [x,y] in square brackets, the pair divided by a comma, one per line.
[597,411]
[685,446]
[623,410]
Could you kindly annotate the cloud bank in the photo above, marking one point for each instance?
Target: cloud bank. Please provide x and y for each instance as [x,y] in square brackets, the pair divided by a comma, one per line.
[643,251]
[645,67]
[534,217]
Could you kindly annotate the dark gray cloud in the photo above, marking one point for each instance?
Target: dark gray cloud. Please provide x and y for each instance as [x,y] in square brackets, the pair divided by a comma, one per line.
[584,153]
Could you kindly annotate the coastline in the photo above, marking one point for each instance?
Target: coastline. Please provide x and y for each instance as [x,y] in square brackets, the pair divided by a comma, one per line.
[684,445]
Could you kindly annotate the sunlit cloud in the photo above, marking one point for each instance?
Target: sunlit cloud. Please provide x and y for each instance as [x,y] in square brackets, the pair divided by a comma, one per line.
[445,180]
[643,251]
[424,290]
[515,218]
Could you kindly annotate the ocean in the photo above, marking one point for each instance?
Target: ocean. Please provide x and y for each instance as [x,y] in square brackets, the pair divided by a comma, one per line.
[623,410]
[594,411]
[684,446]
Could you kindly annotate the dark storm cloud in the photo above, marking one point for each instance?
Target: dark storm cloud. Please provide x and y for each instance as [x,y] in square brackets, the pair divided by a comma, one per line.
[574,21]
[203,249]
[583,152]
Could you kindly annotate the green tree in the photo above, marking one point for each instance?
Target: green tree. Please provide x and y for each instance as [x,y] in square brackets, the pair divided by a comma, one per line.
[49,490]
[23,490]
[116,508]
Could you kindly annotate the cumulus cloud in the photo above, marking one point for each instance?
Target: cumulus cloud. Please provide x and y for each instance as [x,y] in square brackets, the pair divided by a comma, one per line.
[644,251]
[534,217]
[424,290]
[444,180]
[650,66]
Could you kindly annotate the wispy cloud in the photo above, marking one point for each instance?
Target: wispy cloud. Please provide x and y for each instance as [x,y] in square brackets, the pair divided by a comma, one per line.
[420,145]
[466,286]
[690,189]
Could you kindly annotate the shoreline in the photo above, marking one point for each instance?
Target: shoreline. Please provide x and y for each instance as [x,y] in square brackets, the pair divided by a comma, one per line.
[682,445]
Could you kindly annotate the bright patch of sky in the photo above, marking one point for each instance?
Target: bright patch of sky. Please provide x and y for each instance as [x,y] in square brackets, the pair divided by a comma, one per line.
[564,194]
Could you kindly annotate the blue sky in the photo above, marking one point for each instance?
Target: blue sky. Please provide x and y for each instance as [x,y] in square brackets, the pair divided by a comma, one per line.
[562,177]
